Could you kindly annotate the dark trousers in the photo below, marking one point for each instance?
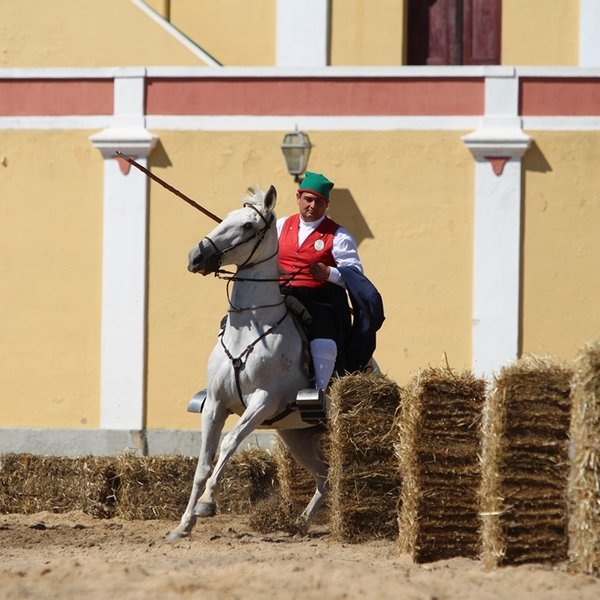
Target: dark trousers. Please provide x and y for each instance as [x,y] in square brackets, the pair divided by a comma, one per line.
[328,307]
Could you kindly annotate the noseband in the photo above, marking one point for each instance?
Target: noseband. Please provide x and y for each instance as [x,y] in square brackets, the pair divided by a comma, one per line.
[259,234]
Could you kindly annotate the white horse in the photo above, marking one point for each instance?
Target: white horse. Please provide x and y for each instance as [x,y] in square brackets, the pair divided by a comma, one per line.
[256,368]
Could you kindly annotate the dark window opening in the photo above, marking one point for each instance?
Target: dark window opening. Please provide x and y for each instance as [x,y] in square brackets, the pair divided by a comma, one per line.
[453,32]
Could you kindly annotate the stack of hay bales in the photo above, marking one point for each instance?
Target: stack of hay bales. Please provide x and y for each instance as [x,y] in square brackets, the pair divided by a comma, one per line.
[31,483]
[363,473]
[526,464]
[126,486]
[439,441]
[584,480]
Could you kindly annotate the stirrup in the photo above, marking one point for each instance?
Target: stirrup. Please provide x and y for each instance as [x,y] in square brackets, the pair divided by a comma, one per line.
[312,404]
[196,404]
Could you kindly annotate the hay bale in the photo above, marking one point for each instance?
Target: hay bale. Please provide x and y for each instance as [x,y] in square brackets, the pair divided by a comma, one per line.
[525,464]
[584,477]
[31,483]
[273,514]
[363,470]
[439,438]
[158,487]
[249,477]
[296,487]
[153,487]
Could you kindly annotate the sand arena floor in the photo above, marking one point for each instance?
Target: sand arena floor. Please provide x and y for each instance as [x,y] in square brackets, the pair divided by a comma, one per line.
[71,555]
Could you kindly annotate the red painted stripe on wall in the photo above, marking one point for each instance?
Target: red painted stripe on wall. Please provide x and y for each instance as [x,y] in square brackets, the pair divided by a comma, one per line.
[56,97]
[572,97]
[323,96]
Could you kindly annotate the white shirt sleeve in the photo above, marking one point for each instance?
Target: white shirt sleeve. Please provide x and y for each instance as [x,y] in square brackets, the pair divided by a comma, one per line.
[345,254]
[279,225]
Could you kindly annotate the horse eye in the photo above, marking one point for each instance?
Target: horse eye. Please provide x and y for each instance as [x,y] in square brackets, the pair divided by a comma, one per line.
[247,226]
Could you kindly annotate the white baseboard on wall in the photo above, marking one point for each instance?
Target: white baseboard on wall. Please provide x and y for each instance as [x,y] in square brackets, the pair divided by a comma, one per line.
[110,442]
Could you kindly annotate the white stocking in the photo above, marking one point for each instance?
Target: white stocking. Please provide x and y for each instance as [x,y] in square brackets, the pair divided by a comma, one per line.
[323,352]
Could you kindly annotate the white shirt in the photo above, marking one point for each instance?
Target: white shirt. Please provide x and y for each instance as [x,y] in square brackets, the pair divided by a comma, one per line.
[344,250]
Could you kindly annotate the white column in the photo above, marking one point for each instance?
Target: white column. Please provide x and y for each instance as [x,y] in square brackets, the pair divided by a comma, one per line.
[498,146]
[302,33]
[124,259]
[589,33]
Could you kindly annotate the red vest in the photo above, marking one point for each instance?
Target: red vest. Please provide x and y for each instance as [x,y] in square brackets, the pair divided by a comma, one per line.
[317,247]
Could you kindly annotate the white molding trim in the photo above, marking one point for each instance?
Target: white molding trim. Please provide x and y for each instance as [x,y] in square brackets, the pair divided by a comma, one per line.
[589,28]
[68,122]
[409,72]
[561,123]
[316,123]
[302,37]
[69,72]
[299,72]
[196,50]
[280,123]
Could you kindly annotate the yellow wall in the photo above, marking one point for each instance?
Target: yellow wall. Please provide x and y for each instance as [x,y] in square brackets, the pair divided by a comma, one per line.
[235,32]
[50,261]
[562,245]
[406,195]
[540,32]
[84,33]
[367,33]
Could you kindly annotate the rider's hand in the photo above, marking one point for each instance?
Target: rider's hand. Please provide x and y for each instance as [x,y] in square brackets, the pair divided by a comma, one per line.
[320,271]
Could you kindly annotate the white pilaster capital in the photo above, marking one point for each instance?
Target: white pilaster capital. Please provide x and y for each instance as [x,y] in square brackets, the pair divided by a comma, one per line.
[497,137]
[133,142]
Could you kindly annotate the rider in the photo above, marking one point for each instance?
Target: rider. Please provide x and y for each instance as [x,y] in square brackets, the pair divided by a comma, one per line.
[311,248]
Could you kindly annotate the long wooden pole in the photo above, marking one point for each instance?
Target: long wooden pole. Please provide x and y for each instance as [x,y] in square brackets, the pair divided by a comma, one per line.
[169,187]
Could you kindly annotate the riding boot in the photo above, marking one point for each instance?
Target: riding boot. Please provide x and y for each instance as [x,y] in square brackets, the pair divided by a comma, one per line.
[324,353]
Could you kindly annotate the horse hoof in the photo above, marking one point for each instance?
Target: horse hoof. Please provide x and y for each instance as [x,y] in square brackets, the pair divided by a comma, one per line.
[176,535]
[299,528]
[205,509]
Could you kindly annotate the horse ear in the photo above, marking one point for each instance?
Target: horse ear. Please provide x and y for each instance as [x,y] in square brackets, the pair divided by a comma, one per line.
[271,198]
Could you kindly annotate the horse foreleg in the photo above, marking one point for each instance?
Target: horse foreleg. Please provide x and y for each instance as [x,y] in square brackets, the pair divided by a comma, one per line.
[212,425]
[253,416]
[305,447]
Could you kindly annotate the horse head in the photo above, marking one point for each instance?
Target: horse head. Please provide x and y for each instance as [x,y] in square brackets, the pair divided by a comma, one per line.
[241,238]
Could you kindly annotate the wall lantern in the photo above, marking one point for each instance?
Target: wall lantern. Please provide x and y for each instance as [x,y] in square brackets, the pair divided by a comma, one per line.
[296,150]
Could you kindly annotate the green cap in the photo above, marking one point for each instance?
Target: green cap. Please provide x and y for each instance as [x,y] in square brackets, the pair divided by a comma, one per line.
[317,184]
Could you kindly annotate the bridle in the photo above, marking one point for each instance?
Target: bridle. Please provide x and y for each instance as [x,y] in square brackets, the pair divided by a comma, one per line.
[259,234]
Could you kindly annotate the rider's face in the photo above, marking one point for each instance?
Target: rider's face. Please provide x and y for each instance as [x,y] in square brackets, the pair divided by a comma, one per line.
[311,207]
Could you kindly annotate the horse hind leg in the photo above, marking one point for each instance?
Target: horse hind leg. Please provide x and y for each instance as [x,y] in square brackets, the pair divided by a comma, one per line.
[305,447]
[212,425]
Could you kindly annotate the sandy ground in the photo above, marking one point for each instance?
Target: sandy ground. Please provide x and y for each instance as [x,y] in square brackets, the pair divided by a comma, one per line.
[72,555]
